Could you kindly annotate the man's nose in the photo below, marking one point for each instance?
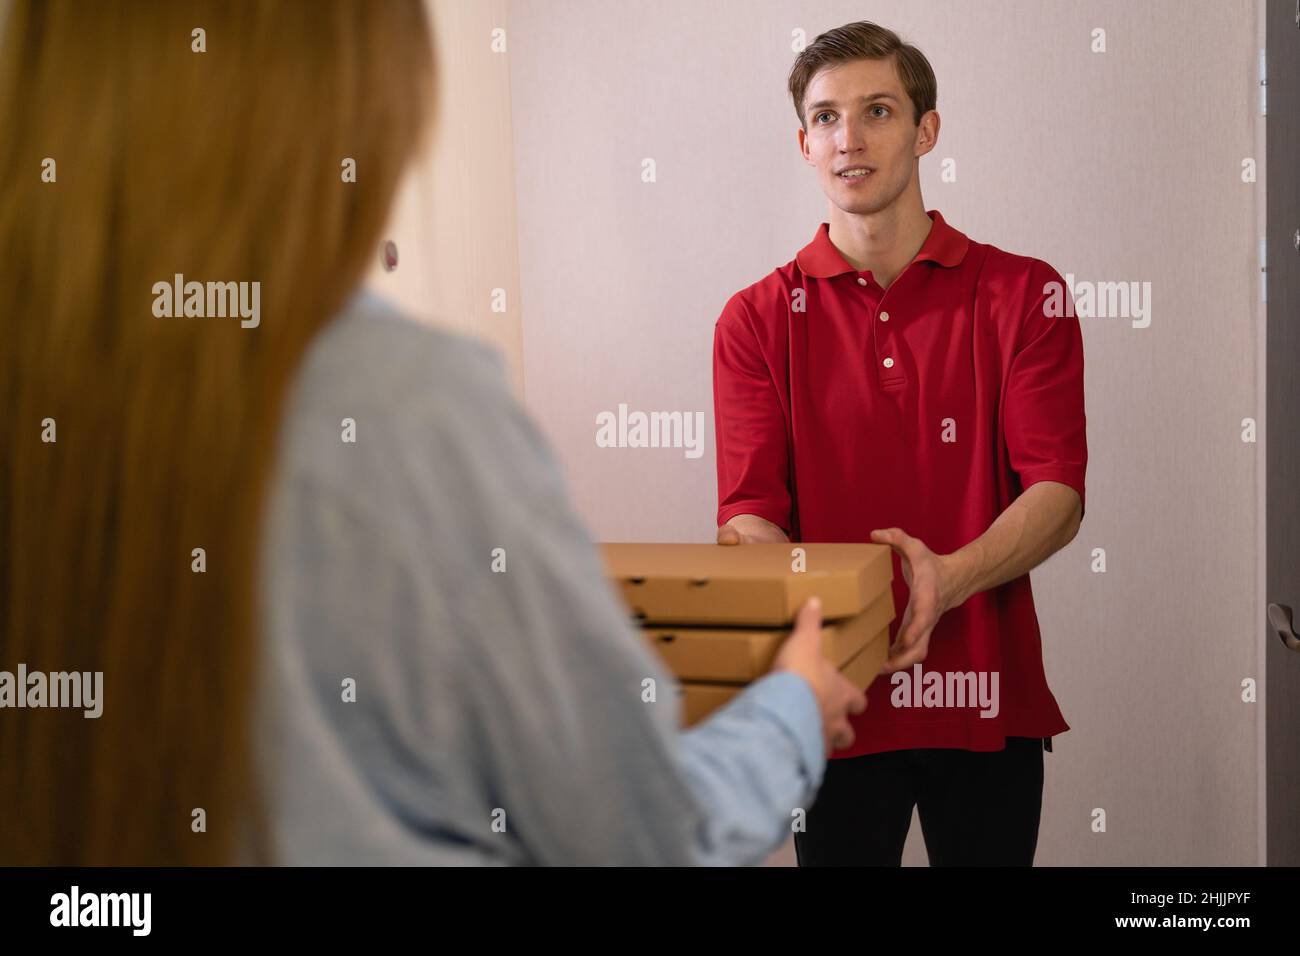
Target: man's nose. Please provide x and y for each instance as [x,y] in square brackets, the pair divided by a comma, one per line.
[851,136]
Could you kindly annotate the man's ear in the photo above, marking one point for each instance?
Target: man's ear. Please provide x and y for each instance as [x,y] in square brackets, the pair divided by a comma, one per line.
[801,135]
[928,129]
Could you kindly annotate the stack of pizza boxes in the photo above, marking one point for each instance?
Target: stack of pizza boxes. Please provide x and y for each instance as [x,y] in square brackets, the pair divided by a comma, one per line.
[717,614]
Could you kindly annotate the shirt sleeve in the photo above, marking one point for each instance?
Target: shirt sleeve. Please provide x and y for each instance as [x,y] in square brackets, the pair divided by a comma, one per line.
[587,765]
[1043,415]
[752,441]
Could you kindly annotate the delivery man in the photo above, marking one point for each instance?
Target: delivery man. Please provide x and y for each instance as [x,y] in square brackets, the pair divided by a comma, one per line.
[900,383]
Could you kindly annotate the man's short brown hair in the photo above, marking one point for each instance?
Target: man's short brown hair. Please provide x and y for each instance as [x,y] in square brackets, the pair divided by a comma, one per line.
[865,41]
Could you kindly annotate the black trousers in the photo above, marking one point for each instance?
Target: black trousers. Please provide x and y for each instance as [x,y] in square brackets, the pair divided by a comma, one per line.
[976,809]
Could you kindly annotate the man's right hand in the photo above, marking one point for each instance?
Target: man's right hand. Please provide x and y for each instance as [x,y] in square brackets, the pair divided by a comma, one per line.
[750,529]
[836,697]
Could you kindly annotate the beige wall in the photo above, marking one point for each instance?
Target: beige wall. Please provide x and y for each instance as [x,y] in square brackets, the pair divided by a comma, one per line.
[1116,166]
[454,221]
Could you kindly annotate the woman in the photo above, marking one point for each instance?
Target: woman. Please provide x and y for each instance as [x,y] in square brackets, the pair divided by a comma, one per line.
[276,537]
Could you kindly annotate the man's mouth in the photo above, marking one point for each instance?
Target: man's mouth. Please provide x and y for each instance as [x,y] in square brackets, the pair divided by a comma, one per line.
[855,173]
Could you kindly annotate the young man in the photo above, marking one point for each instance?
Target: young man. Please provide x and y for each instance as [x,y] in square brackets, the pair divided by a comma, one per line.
[900,383]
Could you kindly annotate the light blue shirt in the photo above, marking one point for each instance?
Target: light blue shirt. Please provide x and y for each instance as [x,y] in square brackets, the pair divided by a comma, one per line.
[419,705]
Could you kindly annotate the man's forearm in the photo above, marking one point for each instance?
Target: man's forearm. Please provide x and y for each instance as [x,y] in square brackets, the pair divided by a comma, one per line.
[754,528]
[1044,519]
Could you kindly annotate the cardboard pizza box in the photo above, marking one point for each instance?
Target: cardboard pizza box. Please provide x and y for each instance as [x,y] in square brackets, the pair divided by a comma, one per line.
[760,585]
[699,700]
[740,655]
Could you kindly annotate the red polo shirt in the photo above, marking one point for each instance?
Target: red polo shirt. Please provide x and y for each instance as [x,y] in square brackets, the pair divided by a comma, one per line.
[841,407]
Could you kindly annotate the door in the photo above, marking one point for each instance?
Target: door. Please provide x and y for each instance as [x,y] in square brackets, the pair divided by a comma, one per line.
[1282,438]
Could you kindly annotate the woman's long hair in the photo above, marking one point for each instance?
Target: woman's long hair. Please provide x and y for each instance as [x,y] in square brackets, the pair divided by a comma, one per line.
[141,141]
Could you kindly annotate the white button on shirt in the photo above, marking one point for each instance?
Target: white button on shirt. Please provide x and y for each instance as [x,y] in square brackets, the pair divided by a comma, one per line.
[889,363]
[884,316]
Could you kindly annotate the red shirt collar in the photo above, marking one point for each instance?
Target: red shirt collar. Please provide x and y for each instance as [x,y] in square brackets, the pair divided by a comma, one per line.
[821,260]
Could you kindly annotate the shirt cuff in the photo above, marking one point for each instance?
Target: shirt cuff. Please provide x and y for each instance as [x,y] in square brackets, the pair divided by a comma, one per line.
[791,701]
[778,516]
[1065,476]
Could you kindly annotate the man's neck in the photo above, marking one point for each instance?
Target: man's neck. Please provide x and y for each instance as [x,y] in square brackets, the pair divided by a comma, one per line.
[882,243]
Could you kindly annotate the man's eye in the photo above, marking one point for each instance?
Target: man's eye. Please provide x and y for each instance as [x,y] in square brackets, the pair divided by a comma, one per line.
[817,118]
[884,109]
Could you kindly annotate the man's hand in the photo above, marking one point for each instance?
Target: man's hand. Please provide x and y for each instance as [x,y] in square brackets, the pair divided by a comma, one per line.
[750,529]
[836,697]
[934,589]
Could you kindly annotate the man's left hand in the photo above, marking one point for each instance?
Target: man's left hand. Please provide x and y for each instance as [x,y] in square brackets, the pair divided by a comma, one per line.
[932,582]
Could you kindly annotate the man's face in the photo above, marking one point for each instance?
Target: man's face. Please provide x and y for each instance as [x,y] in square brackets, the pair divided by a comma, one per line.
[859,118]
